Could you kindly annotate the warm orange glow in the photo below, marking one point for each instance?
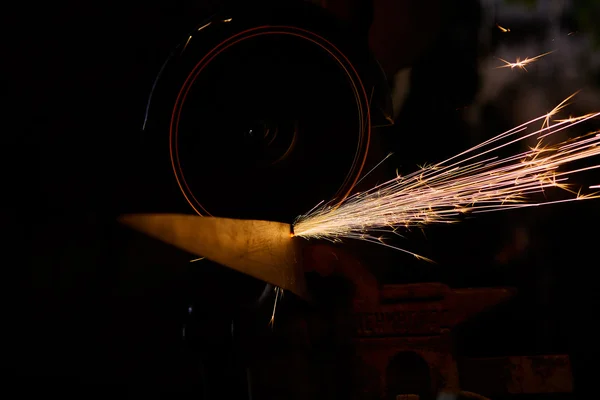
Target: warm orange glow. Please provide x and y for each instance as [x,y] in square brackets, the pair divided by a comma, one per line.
[204,26]
[502,28]
[522,64]
[479,180]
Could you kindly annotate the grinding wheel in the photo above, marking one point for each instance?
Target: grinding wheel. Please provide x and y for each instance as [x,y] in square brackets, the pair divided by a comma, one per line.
[264,113]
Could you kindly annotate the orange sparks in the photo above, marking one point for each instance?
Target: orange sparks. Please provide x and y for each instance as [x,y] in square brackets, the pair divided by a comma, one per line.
[503,29]
[204,26]
[557,109]
[186,43]
[574,119]
[522,64]
[479,180]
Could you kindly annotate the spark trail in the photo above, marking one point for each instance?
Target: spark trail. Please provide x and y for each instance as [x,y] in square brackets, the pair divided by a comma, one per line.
[522,64]
[477,180]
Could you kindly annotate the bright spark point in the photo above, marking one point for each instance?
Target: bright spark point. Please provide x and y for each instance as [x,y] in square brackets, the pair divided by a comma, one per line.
[522,64]
[204,26]
[477,180]
[557,109]
[186,43]
[503,29]
[278,295]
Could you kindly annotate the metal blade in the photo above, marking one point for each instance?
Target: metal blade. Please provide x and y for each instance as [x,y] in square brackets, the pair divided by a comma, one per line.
[262,249]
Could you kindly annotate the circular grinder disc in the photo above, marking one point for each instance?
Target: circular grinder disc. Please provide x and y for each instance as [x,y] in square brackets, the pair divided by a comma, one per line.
[265,116]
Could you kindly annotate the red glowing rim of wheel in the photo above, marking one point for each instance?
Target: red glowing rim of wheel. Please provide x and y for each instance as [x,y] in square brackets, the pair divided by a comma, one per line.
[358,88]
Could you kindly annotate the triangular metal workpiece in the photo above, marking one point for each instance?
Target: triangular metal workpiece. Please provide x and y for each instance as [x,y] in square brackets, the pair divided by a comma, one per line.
[262,249]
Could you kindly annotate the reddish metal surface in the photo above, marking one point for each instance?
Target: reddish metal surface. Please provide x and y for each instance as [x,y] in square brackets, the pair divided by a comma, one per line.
[404,346]
[423,309]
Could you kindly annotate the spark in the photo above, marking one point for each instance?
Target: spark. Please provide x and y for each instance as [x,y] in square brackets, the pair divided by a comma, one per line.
[278,295]
[557,109]
[574,119]
[478,180]
[204,26]
[521,64]
[503,29]
[186,43]
[375,167]
[197,259]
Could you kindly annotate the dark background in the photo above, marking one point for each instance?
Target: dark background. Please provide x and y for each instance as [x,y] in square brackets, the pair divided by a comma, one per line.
[80,308]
